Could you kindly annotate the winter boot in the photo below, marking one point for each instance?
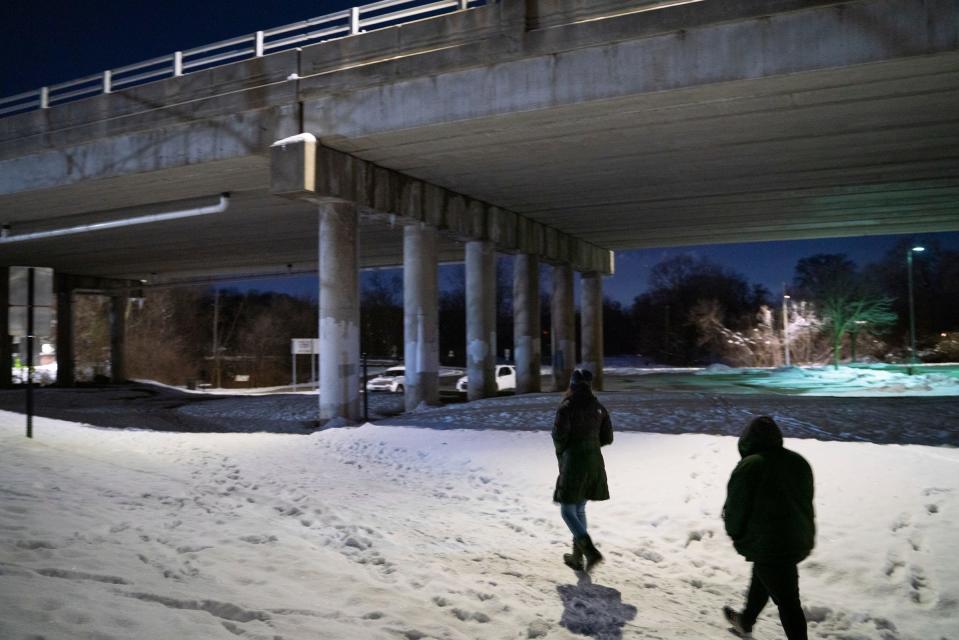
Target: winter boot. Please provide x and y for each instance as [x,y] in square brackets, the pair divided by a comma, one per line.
[574,560]
[592,554]
[735,620]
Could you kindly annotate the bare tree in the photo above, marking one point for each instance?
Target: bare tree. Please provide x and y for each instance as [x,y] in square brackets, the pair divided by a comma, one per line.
[91,346]
[848,312]
[707,317]
[164,341]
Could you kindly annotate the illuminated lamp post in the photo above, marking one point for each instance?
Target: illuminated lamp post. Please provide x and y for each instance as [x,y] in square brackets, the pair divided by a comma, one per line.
[786,328]
[912,309]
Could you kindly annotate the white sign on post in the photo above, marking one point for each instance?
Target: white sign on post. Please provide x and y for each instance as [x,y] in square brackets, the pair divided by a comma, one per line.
[305,346]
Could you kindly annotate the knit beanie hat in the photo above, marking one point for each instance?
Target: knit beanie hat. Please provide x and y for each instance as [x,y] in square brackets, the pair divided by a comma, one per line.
[581,376]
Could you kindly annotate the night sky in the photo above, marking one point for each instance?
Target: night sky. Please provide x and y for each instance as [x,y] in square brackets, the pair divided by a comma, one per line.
[49,42]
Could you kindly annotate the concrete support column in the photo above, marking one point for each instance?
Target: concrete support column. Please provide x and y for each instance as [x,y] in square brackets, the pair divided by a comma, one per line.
[6,342]
[66,369]
[591,316]
[563,319]
[526,323]
[481,319]
[420,316]
[118,333]
[339,323]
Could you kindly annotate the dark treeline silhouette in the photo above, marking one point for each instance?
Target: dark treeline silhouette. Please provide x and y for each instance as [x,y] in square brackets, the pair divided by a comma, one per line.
[936,289]
[662,318]
[381,316]
[170,336]
[695,312]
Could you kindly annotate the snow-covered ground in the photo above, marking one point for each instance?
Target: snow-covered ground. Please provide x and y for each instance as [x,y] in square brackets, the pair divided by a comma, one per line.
[403,533]
[845,380]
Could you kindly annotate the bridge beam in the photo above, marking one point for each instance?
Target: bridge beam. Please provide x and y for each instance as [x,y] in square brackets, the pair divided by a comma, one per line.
[303,169]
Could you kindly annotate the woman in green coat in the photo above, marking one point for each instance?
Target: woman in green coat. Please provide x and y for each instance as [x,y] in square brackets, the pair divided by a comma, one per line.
[581,427]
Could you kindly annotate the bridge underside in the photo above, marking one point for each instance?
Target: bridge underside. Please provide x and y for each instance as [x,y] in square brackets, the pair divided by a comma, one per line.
[556,130]
[824,120]
[865,150]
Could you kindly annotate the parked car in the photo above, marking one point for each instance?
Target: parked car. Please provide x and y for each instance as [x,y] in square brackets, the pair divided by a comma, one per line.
[391,380]
[42,374]
[505,379]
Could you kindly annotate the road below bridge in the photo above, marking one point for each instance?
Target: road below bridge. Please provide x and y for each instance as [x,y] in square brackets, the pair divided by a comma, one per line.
[899,420]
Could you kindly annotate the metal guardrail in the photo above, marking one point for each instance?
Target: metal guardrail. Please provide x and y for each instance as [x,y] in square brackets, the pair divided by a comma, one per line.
[349,22]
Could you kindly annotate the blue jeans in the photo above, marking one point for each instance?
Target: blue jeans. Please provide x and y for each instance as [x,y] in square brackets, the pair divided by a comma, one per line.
[574,515]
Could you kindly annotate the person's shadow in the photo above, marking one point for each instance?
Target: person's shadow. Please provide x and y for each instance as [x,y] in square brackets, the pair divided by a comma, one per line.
[594,610]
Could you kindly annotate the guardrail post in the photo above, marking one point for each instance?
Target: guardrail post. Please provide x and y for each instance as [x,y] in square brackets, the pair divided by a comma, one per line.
[177,63]
[259,44]
[354,20]
[107,81]
[45,97]
[464,4]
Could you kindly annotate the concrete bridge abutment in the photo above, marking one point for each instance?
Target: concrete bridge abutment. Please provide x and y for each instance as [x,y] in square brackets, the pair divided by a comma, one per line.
[480,319]
[66,366]
[339,318]
[6,341]
[591,319]
[562,318]
[303,169]
[420,315]
[118,331]
[526,323]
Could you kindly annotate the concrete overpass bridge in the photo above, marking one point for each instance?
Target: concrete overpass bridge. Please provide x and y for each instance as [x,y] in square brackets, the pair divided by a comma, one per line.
[554,130]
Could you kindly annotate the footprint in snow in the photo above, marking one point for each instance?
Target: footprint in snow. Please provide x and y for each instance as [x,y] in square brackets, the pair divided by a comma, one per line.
[900,523]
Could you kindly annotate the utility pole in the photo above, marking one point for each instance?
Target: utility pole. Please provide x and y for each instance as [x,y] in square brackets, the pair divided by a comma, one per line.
[30,328]
[912,310]
[216,338]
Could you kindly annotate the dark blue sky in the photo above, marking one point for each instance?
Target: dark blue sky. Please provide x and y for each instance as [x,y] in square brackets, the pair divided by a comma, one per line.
[49,41]
[45,42]
[767,263]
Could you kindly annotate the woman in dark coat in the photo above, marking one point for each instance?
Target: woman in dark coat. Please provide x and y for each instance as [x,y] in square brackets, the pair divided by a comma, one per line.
[581,427]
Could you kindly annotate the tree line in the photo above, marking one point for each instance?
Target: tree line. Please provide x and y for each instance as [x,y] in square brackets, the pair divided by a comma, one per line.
[695,312]
[698,313]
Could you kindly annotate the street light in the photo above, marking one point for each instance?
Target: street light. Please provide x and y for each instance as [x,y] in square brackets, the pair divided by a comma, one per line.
[786,328]
[912,310]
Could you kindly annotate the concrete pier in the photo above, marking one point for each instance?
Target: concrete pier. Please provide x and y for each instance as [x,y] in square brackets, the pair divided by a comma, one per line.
[526,322]
[118,332]
[591,317]
[66,368]
[6,344]
[339,324]
[420,315]
[562,317]
[481,319]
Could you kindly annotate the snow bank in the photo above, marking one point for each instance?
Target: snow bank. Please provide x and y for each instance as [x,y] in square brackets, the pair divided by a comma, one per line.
[399,533]
[843,381]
